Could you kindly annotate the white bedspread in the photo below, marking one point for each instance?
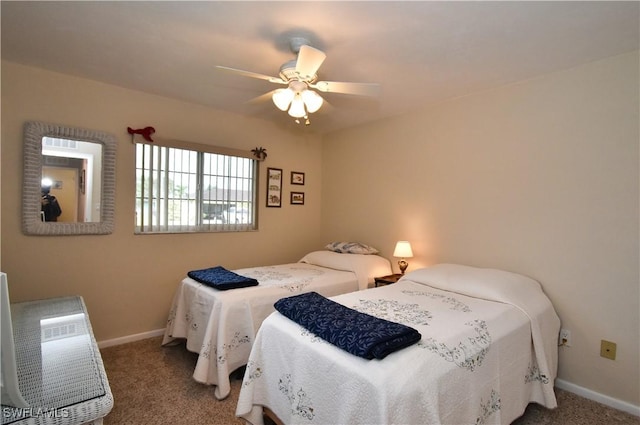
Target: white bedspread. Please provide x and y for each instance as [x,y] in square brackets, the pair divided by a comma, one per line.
[476,363]
[221,325]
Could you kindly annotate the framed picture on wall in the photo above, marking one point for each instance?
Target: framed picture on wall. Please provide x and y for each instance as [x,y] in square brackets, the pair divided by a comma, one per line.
[297,177]
[274,187]
[297,198]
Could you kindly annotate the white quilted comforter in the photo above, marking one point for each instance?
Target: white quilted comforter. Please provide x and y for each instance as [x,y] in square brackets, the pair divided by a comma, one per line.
[488,348]
[221,325]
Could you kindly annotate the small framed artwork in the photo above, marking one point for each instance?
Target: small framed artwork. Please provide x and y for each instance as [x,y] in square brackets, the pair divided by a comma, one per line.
[297,198]
[297,177]
[274,187]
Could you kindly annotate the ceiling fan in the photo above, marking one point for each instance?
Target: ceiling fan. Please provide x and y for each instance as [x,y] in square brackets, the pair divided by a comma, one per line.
[300,75]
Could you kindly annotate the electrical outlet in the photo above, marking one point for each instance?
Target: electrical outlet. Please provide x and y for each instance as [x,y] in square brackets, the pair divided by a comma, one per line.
[565,338]
[608,349]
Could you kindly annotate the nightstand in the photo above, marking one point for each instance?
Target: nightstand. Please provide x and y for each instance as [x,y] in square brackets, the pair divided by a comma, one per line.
[387,280]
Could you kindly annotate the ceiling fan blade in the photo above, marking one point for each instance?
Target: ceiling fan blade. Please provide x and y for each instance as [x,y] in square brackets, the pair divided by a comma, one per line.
[252,74]
[262,98]
[309,60]
[361,89]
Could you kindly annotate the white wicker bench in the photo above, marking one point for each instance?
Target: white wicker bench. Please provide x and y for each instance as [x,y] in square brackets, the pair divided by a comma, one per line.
[60,372]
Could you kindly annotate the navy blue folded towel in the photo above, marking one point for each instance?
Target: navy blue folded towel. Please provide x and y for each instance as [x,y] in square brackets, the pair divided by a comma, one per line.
[220,278]
[358,333]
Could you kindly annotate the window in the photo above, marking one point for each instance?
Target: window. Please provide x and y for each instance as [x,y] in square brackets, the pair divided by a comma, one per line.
[194,189]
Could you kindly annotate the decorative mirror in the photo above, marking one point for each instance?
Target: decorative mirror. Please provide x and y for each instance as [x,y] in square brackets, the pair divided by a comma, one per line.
[72,167]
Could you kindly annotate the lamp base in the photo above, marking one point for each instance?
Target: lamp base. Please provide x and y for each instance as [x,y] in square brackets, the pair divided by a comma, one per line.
[403,266]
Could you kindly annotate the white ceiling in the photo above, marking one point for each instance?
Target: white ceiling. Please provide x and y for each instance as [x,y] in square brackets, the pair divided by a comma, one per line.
[420,52]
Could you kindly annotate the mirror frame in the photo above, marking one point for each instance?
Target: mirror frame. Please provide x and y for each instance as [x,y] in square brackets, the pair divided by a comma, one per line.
[34,131]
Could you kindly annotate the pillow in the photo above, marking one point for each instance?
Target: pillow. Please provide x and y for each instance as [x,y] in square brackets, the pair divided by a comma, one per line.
[351,248]
[366,267]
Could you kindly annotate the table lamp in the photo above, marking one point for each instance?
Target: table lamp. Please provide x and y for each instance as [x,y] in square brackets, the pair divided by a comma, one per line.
[402,251]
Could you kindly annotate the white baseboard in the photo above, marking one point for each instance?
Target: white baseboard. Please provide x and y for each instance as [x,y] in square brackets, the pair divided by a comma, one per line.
[130,338]
[600,398]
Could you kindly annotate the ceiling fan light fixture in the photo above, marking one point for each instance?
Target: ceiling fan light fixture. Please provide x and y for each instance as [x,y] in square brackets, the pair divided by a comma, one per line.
[301,96]
[297,109]
[282,98]
[312,99]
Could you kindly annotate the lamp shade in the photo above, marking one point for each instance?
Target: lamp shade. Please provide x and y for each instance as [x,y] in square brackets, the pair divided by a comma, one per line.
[282,98]
[297,107]
[403,250]
[313,100]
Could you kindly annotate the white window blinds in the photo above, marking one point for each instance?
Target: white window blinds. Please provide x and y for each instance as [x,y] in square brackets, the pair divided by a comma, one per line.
[194,189]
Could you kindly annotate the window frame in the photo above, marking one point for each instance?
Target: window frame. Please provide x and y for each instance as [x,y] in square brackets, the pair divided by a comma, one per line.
[163,199]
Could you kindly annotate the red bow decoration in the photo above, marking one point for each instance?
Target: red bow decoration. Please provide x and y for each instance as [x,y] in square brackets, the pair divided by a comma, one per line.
[144,132]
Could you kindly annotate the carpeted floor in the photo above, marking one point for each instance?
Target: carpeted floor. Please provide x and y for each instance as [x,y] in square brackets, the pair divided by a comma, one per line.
[154,385]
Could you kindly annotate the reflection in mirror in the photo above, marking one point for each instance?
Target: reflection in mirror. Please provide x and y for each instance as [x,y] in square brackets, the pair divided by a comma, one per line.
[69,170]
[73,168]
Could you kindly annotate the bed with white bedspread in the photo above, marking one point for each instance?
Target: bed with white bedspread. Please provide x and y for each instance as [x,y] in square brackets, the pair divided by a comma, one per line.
[488,349]
[221,325]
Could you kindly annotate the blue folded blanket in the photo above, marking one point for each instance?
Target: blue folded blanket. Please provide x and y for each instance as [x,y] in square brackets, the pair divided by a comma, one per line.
[220,278]
[358,333]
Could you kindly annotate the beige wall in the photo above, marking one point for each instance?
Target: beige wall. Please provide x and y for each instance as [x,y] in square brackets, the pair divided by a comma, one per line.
[539,178]
[128,281]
